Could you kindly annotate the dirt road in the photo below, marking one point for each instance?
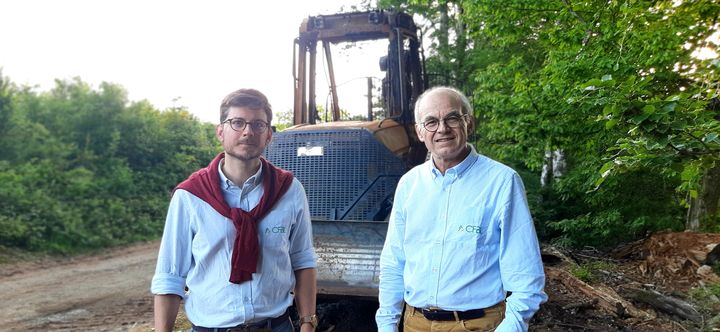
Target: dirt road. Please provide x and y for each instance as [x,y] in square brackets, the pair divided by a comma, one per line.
[103,292]
[110,291]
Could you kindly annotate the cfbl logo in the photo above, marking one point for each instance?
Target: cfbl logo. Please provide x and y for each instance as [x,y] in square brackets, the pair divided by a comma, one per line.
[275,230]
[469,229]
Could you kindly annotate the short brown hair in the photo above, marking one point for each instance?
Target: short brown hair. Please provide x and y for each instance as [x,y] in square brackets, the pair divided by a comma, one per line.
[250,98]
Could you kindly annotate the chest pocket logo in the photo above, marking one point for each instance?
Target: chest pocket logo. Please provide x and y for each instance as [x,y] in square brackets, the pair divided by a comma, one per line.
[276,230]
[473,229]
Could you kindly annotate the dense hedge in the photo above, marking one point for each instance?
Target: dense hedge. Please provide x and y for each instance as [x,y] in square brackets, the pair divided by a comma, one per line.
[83,168]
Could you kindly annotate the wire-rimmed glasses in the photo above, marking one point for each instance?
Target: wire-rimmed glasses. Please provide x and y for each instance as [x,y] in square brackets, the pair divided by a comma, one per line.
[451,121]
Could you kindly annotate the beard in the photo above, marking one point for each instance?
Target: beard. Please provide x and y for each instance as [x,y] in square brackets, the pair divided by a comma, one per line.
[245,156]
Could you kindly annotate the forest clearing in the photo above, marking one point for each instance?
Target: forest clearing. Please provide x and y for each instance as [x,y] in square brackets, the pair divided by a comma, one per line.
[609,112]
[654,284]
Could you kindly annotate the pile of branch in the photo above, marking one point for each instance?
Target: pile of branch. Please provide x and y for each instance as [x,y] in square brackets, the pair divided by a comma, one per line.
[673,258]
[606,299]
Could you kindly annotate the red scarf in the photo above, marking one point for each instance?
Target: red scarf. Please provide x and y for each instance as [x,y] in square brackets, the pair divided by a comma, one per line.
[205,184]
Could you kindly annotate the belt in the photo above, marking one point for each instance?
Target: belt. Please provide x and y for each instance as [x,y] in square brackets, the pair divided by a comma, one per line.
[264,325]
[444,315]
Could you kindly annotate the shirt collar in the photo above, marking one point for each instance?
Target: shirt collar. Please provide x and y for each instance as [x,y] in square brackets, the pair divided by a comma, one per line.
[254,180]
[459,169]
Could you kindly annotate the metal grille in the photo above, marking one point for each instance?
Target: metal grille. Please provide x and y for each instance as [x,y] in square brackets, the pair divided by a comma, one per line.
[347,174]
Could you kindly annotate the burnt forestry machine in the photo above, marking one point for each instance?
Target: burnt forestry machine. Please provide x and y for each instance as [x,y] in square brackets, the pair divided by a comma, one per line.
[350,168]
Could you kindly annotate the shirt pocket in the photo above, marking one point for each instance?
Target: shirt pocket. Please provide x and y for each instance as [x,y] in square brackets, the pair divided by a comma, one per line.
[473,227]
[275,233]
[483,252]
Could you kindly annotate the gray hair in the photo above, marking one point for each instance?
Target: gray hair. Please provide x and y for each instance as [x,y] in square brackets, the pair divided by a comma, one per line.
[450,91]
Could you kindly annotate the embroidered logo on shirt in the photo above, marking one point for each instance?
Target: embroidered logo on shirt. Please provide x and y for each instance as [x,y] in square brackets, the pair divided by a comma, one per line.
[469,229]
[275,230]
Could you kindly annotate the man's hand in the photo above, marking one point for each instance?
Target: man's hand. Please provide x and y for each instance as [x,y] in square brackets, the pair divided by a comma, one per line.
[307,327]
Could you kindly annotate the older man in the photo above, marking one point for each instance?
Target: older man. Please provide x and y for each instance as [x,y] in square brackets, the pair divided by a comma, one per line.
[461,237]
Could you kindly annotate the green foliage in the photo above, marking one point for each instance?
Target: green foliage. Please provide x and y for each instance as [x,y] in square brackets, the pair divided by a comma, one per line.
[283,120]
[614,85]
[82,168]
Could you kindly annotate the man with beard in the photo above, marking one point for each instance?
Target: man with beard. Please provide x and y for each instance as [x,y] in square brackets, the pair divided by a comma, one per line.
[237,244]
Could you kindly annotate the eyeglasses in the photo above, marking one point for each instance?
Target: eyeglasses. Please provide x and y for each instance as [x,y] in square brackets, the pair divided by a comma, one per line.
[238,124]
[452,121]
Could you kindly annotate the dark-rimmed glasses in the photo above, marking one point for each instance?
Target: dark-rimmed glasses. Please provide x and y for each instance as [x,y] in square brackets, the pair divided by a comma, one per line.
[238,124]
[452,121]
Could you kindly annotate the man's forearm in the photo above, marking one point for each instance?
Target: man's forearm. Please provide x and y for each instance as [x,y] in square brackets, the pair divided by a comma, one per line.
[166,310]
[305,293]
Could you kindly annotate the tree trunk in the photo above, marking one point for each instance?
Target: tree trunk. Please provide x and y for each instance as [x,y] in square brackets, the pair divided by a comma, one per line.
[460,52]
[555,166]
[547,170]
[703,211]
[443,33]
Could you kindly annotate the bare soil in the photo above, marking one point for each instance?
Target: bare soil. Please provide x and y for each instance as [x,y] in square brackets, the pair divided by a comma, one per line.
[109,291]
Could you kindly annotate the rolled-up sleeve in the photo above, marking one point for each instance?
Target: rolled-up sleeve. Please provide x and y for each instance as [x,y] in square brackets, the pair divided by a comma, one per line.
[302,252]
[175,255]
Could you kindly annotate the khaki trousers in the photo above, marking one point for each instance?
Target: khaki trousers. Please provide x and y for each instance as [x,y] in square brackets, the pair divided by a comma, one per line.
[414,321]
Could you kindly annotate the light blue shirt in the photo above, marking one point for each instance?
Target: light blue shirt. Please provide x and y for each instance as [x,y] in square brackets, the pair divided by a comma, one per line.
[197,246]
[459,241]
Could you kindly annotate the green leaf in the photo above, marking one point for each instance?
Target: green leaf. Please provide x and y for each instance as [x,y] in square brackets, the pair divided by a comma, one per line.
[599,182]
[669,107]
[639,118]
[610,123]
[591,84]
[649,125]
[710,138]
[688,174]
[604,170]
[610,109]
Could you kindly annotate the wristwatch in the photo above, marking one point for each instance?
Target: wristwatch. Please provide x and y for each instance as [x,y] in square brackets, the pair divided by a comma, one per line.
[312,319]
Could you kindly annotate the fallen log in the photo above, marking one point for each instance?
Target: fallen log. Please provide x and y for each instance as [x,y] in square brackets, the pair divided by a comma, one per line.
[665,303]
[607,299]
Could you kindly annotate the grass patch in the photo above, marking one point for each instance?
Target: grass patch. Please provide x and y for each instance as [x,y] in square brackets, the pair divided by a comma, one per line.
[14,255]
[707,297]
[589,272]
